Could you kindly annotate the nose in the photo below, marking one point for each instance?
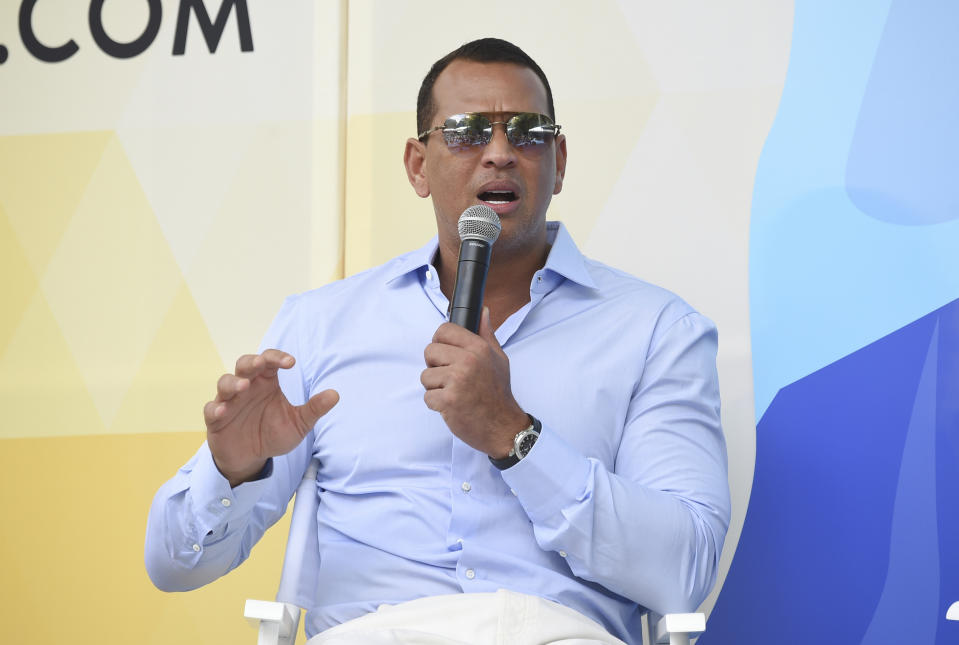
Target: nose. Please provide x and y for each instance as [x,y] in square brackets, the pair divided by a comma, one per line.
[499,152]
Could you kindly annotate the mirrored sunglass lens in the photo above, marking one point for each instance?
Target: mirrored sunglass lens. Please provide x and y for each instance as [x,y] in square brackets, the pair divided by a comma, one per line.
[528,129]
[463,130]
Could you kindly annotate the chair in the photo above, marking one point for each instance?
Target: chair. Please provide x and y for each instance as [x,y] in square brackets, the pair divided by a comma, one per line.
[278,621]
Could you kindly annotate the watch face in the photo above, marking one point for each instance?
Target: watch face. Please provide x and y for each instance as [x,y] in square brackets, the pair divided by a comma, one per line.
[526,444]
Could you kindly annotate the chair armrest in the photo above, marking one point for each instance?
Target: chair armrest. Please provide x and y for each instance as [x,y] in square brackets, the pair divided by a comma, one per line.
[677,629]
[277,621]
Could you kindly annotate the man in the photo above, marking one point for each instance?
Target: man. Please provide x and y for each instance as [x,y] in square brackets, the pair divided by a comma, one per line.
[570,453]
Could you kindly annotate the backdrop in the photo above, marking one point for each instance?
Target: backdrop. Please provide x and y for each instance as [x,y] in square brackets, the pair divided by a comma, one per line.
[171,170]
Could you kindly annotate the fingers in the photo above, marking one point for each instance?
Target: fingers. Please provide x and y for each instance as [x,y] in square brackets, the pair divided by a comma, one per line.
[434,377]
[454,354]
[437,354]
[217,413]
[213,411]
[452,343]
[435,400]
[452,334]
[248,368]
[277,359]
[486,329]
[318,405]
[252,365]
[229,386]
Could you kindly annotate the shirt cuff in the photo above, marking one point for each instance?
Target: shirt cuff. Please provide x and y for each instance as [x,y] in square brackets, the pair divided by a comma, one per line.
[553,476]
[214,502]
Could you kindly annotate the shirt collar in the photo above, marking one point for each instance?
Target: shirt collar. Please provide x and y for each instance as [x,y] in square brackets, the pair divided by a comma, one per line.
[564,258]
[421,258]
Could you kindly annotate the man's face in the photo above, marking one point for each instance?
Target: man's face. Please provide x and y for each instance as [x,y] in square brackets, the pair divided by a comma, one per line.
[517,183]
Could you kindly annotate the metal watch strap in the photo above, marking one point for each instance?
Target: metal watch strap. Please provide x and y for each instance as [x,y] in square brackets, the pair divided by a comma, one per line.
[512,459]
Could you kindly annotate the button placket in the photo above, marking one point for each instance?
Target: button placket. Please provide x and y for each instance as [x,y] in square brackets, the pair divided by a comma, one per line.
[465,507]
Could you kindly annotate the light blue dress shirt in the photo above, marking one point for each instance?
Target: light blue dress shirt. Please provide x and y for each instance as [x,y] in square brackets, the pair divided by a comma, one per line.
[622,502]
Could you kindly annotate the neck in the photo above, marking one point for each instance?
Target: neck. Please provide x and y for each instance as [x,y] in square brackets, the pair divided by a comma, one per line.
[508,280]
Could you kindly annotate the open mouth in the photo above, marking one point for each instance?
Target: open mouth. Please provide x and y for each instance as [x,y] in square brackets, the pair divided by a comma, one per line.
[497,196]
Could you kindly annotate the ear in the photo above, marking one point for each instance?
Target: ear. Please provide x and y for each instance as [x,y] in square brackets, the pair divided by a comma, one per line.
[560,145]
[414,158]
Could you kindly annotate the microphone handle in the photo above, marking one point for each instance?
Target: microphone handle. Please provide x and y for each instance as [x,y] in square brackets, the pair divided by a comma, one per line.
[466,306]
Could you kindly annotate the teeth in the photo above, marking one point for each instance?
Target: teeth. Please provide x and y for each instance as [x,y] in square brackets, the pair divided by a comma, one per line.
[498,193]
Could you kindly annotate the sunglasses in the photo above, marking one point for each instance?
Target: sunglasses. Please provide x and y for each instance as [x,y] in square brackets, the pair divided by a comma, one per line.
[524,130]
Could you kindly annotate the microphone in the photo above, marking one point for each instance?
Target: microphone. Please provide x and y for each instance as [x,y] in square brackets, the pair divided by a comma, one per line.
[478,228]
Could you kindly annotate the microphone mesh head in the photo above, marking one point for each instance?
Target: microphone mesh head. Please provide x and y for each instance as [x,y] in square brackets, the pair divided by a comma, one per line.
[479,222]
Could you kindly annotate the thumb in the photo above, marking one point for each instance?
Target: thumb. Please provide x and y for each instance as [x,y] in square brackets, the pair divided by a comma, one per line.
[317,406]
[486,329]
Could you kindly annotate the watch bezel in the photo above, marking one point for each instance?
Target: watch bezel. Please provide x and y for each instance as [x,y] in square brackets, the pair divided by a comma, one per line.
[531,432]
[524,441]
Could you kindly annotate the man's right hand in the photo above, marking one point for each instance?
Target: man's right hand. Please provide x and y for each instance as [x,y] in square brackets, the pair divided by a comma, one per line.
[251,420]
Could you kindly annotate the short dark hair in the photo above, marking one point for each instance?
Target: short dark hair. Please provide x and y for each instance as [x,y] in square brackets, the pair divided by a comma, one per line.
[484,50]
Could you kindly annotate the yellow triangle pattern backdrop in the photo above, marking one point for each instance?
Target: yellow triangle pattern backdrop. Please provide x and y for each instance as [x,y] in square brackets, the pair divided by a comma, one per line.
[155,210]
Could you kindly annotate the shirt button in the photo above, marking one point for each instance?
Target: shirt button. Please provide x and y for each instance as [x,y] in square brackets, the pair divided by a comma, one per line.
[196,547]
[470,574]
[512,491]
[562,554]
[429,276]
[225,502]
[466,487]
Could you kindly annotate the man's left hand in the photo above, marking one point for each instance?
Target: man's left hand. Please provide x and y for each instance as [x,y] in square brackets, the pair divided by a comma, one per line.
[467,381]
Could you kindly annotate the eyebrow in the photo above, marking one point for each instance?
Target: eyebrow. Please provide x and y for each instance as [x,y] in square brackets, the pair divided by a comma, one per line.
[498,116]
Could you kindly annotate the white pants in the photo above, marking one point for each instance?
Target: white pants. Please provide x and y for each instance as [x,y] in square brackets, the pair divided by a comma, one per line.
[501,618]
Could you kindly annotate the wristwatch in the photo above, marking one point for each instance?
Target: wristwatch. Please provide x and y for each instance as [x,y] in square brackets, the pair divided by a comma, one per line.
[522,443]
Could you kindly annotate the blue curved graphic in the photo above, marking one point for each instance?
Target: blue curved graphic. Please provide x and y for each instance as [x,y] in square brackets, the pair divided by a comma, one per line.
[838,257]
[849,461]
[851,534]
[947,469]
[908,606]
[905,148]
